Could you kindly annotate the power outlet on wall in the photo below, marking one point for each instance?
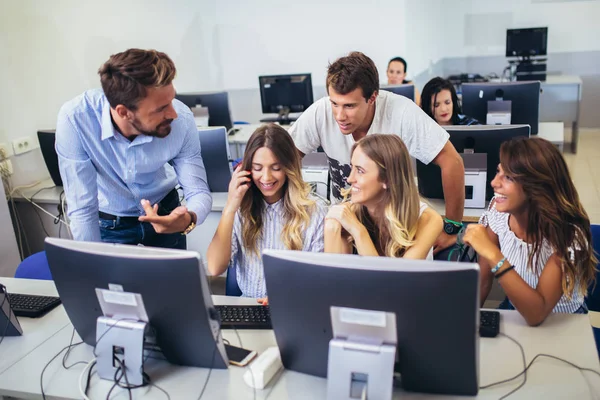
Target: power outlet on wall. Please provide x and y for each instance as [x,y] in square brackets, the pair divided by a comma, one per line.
[24,144]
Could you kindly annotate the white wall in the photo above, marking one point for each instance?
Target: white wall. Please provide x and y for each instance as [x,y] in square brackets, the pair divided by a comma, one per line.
[270,36]
[51,51]
[427,25]
[9,252]
[481,25]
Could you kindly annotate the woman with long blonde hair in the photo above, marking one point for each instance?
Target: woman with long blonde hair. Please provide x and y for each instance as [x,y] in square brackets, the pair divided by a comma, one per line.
[269,206]
[384,215]
[535,239]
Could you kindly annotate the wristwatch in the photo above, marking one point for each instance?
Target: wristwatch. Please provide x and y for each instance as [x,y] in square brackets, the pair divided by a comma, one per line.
[452,227]
[192,224]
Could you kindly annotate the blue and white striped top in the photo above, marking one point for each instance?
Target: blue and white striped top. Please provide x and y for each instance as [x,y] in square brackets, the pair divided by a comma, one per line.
[103,171]
[249,267]
[517,252]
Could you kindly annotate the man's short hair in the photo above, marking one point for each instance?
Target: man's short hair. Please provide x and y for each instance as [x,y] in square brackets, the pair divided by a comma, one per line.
[126,76]
[355,70]
[399,59]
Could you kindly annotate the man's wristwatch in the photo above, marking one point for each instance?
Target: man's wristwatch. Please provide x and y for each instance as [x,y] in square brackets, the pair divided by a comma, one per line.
[452,227]
[192,224]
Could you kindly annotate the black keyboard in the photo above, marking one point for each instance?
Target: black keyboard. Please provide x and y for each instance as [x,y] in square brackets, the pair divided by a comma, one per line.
[245,317]
[33,306]
[489,323]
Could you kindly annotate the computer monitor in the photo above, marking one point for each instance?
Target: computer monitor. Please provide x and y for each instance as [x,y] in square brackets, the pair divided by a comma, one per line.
[285,94]
[172,283]
[436,306]
[525,98]
[47,139]
[476,139]
[526,43]
[215,155]
[406,90]
[216,102]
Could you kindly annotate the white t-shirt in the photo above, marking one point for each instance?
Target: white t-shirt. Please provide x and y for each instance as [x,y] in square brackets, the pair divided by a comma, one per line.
[394,114]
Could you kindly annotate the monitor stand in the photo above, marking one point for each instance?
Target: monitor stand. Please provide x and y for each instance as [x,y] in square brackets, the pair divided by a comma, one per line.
[283,118]
[280,121]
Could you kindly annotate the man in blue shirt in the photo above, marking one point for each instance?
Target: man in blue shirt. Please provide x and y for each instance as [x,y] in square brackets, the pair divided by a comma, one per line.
[122,150]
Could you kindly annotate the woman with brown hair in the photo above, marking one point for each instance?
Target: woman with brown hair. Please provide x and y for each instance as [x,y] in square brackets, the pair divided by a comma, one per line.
[384,215]
[535,238]
[269,206]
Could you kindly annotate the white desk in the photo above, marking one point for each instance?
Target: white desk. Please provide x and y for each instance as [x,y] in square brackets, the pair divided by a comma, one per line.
[562,335]
[237,141]
[560,101]
[35,331]
[198,240]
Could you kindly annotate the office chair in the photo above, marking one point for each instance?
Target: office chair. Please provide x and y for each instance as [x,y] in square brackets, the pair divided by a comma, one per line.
[231,285]
[593,298]
[34,267]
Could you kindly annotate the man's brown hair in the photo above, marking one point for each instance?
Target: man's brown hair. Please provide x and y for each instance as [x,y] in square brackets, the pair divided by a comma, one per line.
[356,70]
[126,76]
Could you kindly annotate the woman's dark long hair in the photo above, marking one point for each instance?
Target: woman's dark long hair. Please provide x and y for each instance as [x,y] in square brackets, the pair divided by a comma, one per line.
[431,90]
[555,212]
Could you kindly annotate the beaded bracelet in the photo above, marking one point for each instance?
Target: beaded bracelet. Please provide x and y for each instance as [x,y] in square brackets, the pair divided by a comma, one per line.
[498,266]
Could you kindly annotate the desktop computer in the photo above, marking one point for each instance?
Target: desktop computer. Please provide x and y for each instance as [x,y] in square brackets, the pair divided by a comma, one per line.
[285,94]
[406,90]
[529,42]
[476,139]
[529,46]
[524,98]
[216,102]
[172,285]
[436,306]
[47,139]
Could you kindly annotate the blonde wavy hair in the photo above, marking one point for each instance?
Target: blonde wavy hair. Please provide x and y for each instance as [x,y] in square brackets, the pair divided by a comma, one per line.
[297,204]
[394,228]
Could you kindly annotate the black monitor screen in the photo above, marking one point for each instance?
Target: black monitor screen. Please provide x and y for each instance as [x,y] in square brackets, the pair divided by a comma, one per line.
[524,97]
[476,139]
[526,42]
[47,140]
[291,93]
[217,104]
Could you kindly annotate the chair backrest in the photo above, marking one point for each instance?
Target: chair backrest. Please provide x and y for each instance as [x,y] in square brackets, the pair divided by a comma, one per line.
[34,267]
[215,155]
[231,285]
[593,298]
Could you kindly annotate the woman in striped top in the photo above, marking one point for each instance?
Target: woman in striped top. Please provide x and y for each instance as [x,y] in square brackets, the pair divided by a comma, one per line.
[269,206]
[384,216]
[535,238]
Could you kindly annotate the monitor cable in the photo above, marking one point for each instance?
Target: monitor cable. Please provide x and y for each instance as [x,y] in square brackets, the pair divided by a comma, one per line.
[526,367]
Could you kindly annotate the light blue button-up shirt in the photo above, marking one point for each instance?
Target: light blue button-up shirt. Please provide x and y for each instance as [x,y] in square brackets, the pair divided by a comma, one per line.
[103,171]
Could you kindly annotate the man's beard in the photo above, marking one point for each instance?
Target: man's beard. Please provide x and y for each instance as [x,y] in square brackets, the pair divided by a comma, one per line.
[162,130]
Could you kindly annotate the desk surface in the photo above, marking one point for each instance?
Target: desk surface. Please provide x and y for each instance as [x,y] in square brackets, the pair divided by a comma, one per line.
[562,80]
[35,331]
[563,335]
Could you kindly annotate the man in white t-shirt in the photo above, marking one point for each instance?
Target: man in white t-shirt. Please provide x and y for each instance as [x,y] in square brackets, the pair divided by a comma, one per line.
[355,107]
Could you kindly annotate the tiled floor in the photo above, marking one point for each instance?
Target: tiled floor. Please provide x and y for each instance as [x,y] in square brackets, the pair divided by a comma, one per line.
[585,171]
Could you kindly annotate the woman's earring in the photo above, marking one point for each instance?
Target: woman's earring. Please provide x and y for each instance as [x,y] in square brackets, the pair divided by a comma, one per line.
[385,186]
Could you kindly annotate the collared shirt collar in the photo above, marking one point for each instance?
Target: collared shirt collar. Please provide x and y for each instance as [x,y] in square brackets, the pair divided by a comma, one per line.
[278,205]
[109,130]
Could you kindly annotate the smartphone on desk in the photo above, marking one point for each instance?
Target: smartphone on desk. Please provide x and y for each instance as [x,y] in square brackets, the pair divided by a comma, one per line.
[238,356]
